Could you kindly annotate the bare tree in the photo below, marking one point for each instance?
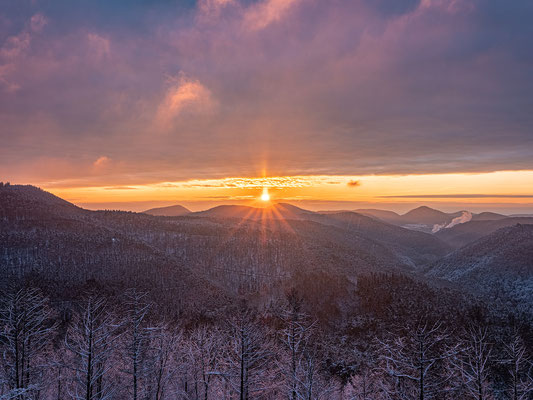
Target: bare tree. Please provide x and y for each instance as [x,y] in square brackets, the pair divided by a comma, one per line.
[310,382]
[299,362]
[90,340]
[247,358]
[203,356]
[412,362]
[162,362]
[520,368]
[25,331]
[136,337]
[363,385]
[469,365]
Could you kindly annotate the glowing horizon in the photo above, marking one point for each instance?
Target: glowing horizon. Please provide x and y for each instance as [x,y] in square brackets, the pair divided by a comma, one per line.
[511,188]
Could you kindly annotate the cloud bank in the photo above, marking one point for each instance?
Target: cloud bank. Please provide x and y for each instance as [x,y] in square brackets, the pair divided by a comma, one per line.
[217,88]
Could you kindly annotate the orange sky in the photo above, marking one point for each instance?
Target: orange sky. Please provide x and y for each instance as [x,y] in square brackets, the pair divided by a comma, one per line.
[505,191]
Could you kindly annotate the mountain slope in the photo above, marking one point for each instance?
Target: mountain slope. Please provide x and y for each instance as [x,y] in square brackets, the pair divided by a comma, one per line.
[170,211]
[488,216]
[384,215]
[426,215]
[25,201]
[64,248]
[463,234]
[500,265]
[426,219]
[413,247]
[275,211]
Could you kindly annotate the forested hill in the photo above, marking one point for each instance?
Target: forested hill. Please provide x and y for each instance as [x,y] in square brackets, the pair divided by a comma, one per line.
[499,265]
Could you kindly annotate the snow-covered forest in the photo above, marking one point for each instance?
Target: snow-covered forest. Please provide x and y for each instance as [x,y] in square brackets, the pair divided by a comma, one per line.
[116,305]
[100,347]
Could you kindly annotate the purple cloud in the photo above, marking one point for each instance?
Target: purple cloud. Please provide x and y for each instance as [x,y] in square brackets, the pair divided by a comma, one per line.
[228,87]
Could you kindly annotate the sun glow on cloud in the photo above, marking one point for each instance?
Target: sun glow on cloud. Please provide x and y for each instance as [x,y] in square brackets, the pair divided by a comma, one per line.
[184,95]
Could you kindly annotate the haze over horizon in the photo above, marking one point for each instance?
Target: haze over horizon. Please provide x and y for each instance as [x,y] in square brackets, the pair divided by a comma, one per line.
[330,105]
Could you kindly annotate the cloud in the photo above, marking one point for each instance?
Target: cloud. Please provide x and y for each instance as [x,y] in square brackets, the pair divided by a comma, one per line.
[101,162]
[38,22]
[100,45]
[13,50]
[184,95]
[353,183]
[212,8]
[460,196]
[259,15]
[297,87]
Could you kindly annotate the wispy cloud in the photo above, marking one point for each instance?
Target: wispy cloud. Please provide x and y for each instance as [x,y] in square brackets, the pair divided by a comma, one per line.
[184,95]
[276,182]
[265,12]
[459,196]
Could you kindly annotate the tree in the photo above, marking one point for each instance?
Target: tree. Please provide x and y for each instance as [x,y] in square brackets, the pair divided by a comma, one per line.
[25,331]
[247,357]
[137,337]
[520,368]
[470,365]
[363,385]
[90,339]
[162,361]
[298,365]
[412,362]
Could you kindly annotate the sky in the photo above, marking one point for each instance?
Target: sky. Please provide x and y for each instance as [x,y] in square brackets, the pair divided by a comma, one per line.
[333,104]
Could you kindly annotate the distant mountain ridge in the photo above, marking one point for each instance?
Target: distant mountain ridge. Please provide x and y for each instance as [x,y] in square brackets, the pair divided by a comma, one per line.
[274,211]
[169,211]
[427,219]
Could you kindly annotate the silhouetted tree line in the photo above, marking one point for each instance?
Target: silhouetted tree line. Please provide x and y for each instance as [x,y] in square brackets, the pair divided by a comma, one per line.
[104,345]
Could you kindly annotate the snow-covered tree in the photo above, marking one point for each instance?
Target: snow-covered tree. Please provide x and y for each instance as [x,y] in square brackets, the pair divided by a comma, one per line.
[519,367]
[412,363]
[203,357]
[25,331]
[90,341]
[163,362]
[298,362]
[247,358]
[469,365]
[136,338]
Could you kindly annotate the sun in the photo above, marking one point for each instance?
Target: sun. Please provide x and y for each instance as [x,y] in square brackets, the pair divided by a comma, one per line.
[265,196]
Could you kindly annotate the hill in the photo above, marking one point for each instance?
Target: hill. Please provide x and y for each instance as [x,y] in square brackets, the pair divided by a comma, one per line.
[275,211]
[64,248]
[463,234]
[170,211]
[427,215]
[499,265]
[488,216]
[29,202]
[384,215]
[410,247]
[427,219]
[413,247]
